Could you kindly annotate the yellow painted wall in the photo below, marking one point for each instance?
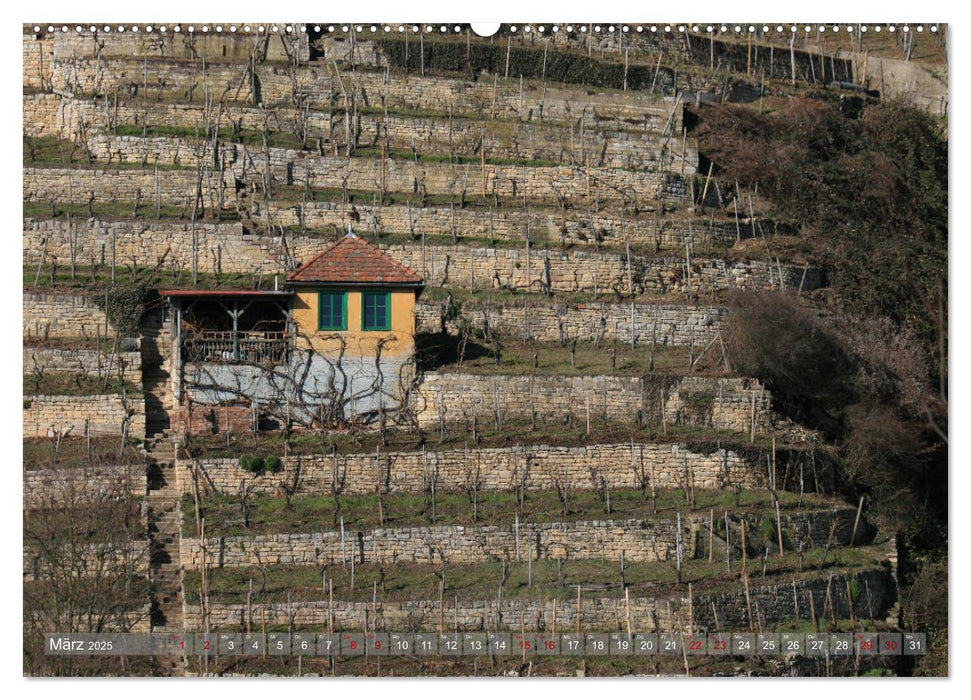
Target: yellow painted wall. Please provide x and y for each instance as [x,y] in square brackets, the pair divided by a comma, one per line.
[399,341]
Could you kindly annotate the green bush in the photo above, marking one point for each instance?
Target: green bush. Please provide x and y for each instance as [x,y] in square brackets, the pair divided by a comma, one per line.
[768,530]
[254,465]
[272,464]
[856,590]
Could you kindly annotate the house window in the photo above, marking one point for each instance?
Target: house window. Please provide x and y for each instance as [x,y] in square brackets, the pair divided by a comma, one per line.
[332,311]
[376,311]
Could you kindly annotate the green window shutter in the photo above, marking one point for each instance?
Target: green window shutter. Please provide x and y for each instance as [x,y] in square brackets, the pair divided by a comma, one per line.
[376,311]
[332,311]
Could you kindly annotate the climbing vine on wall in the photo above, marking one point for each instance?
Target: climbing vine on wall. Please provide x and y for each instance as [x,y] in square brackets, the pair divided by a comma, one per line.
[124,303]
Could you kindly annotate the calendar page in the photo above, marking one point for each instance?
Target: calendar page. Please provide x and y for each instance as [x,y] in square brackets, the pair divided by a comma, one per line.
[438,349]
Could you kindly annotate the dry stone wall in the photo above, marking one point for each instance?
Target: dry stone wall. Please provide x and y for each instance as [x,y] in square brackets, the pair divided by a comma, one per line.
[221,247]
[774,602]
[51,114]
[509,139]
[97,415]
[62,316]
[399,174]
[508,99]
[603,145]
[318,85]
[636,540]
[641,541]
[92,560]
[175,187]
[723,404]
[667,324]
[44,488]
[600,272]
[574,226]
[38,58]
[123,365]
[535,467]
[280,46]
[227,248]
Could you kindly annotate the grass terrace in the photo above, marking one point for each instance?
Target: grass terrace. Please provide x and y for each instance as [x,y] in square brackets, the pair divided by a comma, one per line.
[52,152]
[457,435]
[269,515]
[76,452]
[472,582]
[63,384]
[518,358]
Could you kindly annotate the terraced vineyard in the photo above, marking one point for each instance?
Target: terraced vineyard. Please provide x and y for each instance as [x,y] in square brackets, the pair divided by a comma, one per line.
[582,447]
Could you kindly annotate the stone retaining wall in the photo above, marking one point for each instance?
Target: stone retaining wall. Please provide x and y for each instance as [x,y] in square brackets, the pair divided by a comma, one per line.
[648,540]
[175,187]
[605,143]
[723,404]
[509,99]
[45,488]
[221,247]
[773,604]
[574,227]
[62,316]
[211,45]
[667,324]
[604,273]
[642,541]
[103,415]
[124,365]
[91,561]
[504,469]
[177,79]
[400,174]
[225,248]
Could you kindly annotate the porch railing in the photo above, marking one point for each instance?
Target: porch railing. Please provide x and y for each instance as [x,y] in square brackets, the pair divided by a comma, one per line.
[244,347]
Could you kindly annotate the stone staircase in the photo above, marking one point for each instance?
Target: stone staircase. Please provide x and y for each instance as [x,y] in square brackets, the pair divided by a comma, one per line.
[164,530]
[163,492]
[156,349]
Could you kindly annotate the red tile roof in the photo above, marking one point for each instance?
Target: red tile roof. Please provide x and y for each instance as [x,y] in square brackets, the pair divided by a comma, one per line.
[352,260]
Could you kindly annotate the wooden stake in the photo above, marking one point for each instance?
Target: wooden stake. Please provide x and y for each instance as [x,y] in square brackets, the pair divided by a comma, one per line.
[522,631]
[728,550]
[856,522]
[482,164]
[578,610]
[441,605]
[249,607]
[748,599]
[553,630]
[812,612]
[263,630]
